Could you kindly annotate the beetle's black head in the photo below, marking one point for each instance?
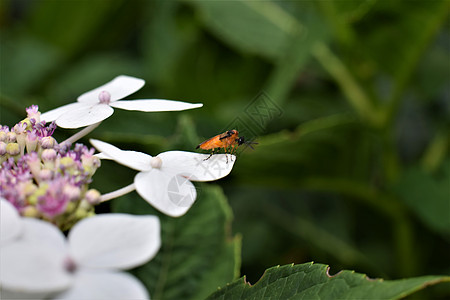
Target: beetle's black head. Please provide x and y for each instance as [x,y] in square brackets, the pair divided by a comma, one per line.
[241,140]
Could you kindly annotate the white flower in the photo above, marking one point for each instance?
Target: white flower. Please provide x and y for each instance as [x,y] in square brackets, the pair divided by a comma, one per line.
[164,181]
[97,105]
[86,265]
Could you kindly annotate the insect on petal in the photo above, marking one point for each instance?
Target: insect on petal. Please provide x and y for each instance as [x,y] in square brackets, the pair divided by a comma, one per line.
[195,167]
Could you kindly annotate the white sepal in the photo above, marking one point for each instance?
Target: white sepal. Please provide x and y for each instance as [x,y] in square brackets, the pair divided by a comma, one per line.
[10,224]
[135,160]
[32,267]
[105,285]
[154,105]
[54,114]
[114,241]
[84,116]
[38,231]
[172,195]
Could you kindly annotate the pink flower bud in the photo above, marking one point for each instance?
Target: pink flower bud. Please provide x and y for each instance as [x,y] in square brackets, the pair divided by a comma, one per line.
[92,197]
[72,192]
[104,97]
[10,137]
[31,141]
[2,148]
[45,175]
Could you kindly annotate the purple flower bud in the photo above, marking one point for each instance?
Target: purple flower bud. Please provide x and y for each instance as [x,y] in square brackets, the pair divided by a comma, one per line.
[72,192]
[54,201]
[10,137]
[48,142]
[31,141]
[104,97]
[48,155]
[2,148]
[34,163]
[33,113]
[20,128]
[45,175]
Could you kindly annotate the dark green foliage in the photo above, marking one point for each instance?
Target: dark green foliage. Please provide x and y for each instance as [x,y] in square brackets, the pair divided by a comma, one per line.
[313,281]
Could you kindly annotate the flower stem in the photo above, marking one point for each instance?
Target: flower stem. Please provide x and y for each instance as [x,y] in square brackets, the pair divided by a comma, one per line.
[81,133]
[118,193]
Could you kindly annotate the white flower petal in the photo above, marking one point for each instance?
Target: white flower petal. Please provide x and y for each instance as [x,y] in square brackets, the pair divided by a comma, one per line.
[5,294]
[54,114]
[172,195]
[103,156]
[84,116]
[194,166]
[32,267]
[39,231]
[132,159]
[10,223]
[115,241]
[118,88]
[149,105]
[105,285]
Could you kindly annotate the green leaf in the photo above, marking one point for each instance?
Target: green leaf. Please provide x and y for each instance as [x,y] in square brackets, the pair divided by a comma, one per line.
[312,281]
[198,252]
[258,27]
[427,196]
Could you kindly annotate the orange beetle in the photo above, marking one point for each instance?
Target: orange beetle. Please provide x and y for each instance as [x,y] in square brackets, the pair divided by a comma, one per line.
[226,140]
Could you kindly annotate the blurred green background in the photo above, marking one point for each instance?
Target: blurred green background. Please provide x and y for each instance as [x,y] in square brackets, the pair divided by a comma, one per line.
[348,100]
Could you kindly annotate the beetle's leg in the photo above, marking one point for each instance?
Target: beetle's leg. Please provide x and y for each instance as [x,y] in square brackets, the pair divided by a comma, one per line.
[209,155]
[226,154]
[233,150]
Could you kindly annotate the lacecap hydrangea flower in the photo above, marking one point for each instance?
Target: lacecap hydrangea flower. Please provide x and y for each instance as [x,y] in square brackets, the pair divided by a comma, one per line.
[98,104]
[42,178]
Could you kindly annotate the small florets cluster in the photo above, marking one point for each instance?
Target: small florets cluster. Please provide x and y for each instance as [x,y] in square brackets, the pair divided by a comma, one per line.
[42,178]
